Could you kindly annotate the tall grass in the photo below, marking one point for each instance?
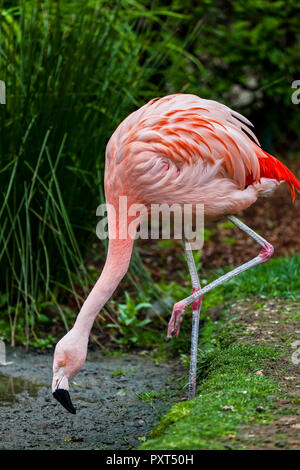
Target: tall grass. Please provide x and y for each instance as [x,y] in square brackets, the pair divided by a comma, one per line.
[73,71]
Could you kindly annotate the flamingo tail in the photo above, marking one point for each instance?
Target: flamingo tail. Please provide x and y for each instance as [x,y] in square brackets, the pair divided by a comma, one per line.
[272,168]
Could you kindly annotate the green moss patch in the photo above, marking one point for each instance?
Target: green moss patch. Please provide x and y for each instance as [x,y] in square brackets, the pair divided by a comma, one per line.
[230,394]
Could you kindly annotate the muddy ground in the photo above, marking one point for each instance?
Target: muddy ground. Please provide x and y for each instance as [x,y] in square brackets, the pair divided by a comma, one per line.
[110,415]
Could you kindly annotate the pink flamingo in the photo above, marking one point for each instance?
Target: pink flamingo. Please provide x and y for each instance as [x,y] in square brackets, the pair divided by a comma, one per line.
[177,149]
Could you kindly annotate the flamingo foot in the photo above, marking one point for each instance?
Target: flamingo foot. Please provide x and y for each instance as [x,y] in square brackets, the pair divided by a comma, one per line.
[177,315]
[176,319]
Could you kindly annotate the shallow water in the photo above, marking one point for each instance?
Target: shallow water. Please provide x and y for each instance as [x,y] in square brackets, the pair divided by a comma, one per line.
[10,387]
[109,413]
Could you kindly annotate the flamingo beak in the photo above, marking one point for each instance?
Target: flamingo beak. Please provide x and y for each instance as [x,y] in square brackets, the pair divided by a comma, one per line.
[60,391]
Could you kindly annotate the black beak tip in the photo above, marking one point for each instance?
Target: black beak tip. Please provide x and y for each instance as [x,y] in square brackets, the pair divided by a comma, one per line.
[63,397]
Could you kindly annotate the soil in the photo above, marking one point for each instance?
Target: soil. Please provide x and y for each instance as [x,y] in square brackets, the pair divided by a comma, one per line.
[109,413]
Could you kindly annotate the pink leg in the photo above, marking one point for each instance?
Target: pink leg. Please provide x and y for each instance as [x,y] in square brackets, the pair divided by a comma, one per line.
[264,255]
[196,306]
[177,316]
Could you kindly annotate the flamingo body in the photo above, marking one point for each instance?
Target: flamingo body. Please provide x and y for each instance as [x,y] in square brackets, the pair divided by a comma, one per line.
[184,149]
[177,149]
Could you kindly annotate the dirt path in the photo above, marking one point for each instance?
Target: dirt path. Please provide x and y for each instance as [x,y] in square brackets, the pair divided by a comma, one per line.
[110,415]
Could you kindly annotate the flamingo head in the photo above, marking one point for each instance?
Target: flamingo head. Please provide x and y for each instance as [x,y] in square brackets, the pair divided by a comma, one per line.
[69,357]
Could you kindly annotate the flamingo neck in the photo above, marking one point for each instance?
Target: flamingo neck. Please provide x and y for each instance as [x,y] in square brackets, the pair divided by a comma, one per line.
[115,268]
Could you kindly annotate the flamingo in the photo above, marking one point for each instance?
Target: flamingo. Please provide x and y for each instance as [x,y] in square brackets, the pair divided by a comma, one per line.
[176,149]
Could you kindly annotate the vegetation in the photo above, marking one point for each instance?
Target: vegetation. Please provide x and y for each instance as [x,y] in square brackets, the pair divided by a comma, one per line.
[73,71]
[277,279]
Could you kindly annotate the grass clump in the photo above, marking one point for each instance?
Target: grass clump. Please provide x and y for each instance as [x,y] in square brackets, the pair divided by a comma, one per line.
[277,278]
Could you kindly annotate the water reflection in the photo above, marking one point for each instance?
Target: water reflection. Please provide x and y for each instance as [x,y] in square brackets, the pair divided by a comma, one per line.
[11,386]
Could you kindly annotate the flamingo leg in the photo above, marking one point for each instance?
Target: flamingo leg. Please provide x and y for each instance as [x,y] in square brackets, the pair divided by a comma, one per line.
[196,307]
[264,255]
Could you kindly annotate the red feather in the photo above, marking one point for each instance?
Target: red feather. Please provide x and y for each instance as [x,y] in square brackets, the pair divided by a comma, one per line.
[272,168]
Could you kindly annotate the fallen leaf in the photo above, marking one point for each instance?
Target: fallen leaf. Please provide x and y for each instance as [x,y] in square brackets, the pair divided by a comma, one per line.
[76,439]
[227,408]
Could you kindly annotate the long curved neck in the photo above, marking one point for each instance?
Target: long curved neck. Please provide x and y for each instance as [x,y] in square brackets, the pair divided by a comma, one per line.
[116,266]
